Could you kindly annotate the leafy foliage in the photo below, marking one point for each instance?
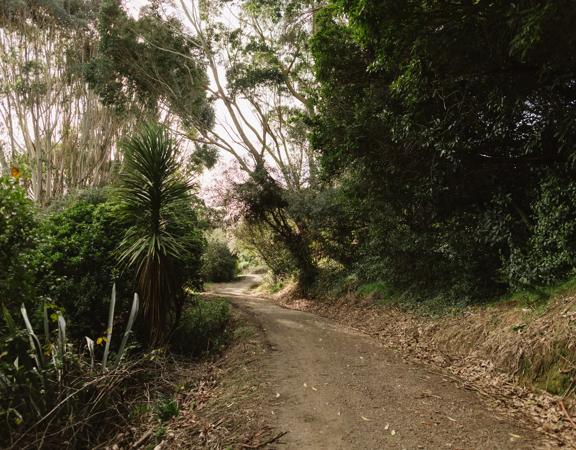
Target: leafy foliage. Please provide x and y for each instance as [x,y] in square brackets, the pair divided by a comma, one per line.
[18,235]
[165,408]
[259,239]
[549,254]
[149,62]
[266,205]
[77,261]
[219,264]
[440,127]
[75,13]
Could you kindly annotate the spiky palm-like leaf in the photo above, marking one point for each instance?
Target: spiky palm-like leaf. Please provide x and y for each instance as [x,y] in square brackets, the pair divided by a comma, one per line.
[152,190]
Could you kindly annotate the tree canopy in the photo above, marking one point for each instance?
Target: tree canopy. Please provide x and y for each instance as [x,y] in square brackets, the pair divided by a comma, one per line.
[446,124]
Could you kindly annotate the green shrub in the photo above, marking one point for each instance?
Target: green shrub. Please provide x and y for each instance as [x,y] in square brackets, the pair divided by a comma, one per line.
[77,261]
[549,255]
[165,408]
[377,289]
[17,237]
[219,264]
[203,327]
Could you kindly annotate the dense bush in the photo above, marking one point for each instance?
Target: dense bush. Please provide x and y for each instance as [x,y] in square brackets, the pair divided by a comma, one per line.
[18,235]
[77,259]
[549,253]
[203,327]
[447,133]
[219,264]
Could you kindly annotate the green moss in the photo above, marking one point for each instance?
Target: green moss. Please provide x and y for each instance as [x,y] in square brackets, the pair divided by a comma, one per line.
[537,299]
[554,380]
[378,289]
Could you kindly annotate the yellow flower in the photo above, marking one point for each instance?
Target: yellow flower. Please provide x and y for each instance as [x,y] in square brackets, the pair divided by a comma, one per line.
[101,340]
[15,172]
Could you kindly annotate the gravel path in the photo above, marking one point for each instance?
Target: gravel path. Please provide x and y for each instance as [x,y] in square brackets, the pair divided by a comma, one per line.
[336,388]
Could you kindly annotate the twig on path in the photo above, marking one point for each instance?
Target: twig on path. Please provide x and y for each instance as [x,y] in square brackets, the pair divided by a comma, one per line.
[145,436]
[269,441]
[566,413]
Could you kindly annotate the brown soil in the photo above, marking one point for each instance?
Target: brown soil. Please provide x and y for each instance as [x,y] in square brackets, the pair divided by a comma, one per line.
[334,387]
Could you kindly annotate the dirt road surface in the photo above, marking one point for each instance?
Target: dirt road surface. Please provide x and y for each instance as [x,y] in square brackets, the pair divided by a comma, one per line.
[336,388]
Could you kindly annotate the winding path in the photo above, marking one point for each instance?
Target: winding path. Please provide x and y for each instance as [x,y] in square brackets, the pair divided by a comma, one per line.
[335,388]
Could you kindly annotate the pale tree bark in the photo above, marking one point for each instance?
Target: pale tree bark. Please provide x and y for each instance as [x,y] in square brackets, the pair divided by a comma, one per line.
[255,130]
[54,126]
[257,127]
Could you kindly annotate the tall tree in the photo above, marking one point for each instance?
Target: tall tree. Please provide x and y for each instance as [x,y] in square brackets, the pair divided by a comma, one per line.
[444,124]
[262,81]
[147,66]
[55,129]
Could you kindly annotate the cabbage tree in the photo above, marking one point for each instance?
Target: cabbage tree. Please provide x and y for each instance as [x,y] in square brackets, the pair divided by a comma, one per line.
[162,240]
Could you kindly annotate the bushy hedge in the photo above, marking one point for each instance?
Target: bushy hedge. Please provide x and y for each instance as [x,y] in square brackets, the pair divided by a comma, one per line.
[77,261]
[18,235]
[219,264]
[549,254]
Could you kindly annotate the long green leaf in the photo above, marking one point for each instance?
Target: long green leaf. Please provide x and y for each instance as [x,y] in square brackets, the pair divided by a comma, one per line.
[131,319]
[34,341]
[110,325]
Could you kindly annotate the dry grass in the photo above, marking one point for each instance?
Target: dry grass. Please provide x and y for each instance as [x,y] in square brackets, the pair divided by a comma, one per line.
[92,410]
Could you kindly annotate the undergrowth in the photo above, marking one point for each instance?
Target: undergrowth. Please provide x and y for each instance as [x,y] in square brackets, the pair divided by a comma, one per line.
[537,298]
[334,284]
[203,328]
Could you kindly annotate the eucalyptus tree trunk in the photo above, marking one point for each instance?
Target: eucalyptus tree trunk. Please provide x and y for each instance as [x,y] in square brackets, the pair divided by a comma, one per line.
[57,130]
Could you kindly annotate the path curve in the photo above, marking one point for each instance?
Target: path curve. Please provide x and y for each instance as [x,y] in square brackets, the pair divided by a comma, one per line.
[336,388]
